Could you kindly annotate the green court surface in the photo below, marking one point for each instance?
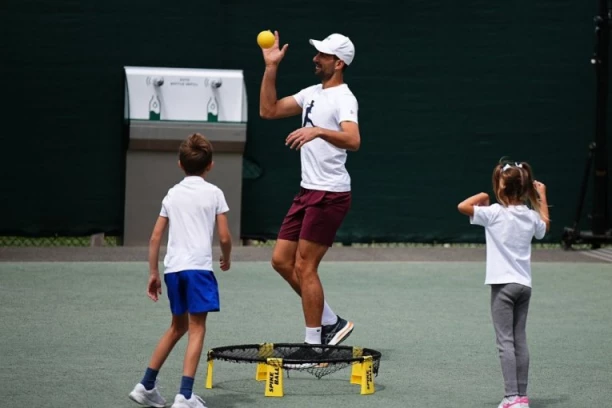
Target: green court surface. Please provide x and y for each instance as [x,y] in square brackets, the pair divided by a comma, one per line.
[81,334]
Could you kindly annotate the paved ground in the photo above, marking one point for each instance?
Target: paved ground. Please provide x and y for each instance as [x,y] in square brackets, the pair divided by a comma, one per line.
[263,254]
[80,335]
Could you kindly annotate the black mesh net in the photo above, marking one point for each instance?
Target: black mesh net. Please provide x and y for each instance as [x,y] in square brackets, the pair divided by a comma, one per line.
[318,360]
[54,241]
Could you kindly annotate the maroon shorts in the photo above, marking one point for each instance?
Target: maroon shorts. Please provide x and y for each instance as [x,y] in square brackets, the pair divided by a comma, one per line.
[315,216]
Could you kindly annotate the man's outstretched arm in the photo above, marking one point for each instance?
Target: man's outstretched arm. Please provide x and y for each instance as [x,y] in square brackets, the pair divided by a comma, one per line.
[269,106]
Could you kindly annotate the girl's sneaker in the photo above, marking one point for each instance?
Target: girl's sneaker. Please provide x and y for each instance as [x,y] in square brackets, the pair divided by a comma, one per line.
[524,402]
[512,402]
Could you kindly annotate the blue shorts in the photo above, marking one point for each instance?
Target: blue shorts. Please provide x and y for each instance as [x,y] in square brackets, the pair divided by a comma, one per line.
[193,291]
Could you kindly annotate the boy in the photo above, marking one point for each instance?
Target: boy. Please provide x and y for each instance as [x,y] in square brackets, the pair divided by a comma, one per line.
[190,209]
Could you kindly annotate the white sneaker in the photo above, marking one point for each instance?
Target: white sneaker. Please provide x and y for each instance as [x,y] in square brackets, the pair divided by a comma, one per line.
[194,402]
[148,398]
[512,402]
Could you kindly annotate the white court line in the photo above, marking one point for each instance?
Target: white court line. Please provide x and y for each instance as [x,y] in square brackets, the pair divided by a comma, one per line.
[605,254]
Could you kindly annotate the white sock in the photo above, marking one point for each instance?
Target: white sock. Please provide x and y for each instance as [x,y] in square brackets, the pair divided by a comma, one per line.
[313,335]
[329,317]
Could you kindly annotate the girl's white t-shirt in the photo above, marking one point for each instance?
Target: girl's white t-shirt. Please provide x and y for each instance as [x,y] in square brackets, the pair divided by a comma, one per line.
[509,233]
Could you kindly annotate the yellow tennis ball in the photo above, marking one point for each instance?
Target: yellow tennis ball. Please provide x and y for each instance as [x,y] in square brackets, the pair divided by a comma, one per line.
[265,39]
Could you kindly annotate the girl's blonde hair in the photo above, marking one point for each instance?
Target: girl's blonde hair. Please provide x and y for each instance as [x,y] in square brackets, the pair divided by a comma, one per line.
[513,182]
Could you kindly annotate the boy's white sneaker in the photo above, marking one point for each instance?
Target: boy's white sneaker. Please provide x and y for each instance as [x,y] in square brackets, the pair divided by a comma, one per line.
[148,398]
[194,402]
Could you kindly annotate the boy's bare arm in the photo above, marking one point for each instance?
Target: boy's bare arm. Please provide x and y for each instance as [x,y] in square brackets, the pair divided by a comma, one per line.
[154,285]
[225,241]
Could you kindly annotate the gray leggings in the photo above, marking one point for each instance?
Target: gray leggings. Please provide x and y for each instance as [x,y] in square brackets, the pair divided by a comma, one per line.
[509,307]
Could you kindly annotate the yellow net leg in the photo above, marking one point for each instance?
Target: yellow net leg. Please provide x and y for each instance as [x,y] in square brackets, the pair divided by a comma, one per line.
[265,350]
[262,372]
[209,375]
[357,368]
[274,379]
[367,380]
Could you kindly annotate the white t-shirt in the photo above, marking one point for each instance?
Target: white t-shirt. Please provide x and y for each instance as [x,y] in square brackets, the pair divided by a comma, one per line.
[191,207]
[509,232]
[323,163]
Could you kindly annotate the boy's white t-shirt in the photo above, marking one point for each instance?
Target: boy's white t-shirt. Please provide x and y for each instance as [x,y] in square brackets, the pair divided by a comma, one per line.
[509,232]
[191,207]
[323,164]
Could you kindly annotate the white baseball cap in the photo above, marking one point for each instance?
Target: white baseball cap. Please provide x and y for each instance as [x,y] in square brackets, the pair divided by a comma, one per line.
[338,45]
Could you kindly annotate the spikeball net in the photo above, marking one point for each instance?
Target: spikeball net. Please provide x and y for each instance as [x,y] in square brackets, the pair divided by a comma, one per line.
[319,360]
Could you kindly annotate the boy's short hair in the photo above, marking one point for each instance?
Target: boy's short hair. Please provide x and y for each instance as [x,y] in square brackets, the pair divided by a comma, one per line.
[195,154]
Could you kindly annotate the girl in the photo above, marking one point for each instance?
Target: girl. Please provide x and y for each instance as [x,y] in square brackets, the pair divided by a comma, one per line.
[510,227]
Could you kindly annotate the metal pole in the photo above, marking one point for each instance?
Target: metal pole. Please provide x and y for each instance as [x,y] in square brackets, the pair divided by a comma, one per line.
[600,186]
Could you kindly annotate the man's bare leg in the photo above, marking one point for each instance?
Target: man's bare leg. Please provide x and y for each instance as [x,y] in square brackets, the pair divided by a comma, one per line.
[308,257]
[283,262]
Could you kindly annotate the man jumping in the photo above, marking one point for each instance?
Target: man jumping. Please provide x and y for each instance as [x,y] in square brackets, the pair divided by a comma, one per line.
[330,128]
